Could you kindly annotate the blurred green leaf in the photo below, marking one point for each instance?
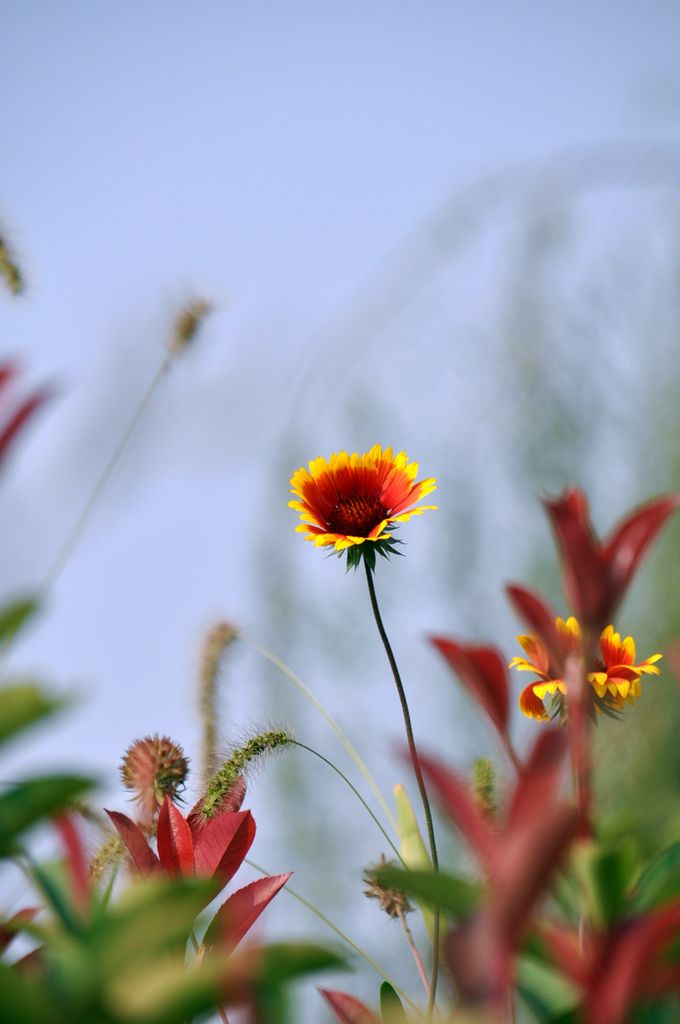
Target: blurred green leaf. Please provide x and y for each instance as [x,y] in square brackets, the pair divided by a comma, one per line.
[547,992]
[165,991]
[391,1008]
[22,1000]
[456,896]
[153,918]
[281,961]
[14,616]
[606,877]
[27,803]
[660,881]
[23,704]
[52,881]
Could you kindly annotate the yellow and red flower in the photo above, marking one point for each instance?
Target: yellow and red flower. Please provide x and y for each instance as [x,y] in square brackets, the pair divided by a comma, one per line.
[354,499]
[615,678]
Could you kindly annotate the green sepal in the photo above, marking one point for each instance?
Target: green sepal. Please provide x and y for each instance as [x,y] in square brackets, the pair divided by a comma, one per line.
[367,552]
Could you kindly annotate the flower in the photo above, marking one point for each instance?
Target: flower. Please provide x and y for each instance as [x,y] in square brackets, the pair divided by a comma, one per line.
[358,498]
[615,678]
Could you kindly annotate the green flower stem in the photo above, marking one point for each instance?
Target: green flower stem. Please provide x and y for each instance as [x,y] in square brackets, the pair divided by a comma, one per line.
[303,746]
[338,931]
[344,739]
[419,779]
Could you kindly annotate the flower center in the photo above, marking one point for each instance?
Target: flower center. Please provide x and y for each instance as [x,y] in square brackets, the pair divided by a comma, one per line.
[356,517]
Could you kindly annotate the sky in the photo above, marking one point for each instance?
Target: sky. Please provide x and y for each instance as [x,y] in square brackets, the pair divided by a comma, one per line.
[323,174]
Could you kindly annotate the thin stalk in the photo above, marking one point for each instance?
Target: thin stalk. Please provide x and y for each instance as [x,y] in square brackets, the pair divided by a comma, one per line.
[220,1009]
[419,778]
[414,950]
[344,739]
[73,537]
[303,746]
[338,931]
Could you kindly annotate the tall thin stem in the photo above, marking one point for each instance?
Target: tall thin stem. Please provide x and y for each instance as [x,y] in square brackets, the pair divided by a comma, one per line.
[303,746]
[418,774]
[73,537]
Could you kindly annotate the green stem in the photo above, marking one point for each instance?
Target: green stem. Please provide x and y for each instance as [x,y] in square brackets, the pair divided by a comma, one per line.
[303,746]
[344,739]
[338,931]
[419,778]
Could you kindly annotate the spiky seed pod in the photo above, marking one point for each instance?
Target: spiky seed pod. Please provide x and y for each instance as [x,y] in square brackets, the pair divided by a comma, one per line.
[216,643]
[188,324]
[153,768]
[484,787]
[392,901]
[233,769]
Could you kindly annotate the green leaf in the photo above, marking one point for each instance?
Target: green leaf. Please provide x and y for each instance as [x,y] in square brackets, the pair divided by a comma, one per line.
[545,990]
[27,803]
[456,896]
[23,704]
[165,990]
[411,845]
[605,876]
[23,1001]
[52,881]
[14,616]
[153,918]
[660,881]
[391,1008]
[282,961]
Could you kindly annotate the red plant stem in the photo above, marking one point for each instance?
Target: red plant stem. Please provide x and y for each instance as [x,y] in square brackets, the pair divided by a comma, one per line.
[414,950]
[419,779]
[512,755]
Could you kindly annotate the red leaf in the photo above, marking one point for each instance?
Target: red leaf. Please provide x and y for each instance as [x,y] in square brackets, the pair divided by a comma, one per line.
[531,853]
[347,1009]
[9,928]
[76,861]
[565,950]
[537,785]
[582,561]
[143,857]
[221,846]
[8,371]
[457,801]
[626,547]
[479,968]
[540,618]
[174,841]
[19,418]
[628,964]
[235,917]
[482,671]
